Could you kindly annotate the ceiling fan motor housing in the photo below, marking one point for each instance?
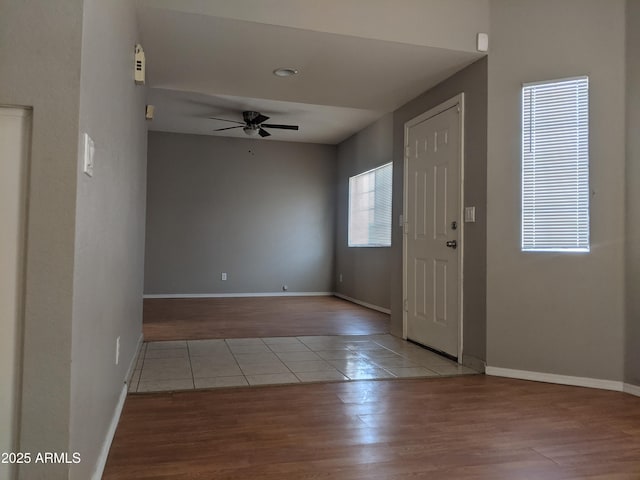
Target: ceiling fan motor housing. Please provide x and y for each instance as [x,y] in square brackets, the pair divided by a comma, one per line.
[250,117]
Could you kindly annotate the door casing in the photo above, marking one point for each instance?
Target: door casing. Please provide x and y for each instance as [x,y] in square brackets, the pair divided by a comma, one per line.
[15,141]
[458,101]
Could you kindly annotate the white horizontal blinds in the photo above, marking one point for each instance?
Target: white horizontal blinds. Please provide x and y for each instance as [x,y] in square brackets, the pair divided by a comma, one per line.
[555,166]
[370,208]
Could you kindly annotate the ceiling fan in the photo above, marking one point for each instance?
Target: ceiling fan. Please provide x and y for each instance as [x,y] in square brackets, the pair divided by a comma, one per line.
[253,124]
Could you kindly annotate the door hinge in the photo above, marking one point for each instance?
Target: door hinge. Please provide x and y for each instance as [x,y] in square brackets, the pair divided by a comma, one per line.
[405,304]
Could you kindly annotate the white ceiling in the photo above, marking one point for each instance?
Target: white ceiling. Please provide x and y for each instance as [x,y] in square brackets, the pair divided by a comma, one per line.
[202,65]
[189,112]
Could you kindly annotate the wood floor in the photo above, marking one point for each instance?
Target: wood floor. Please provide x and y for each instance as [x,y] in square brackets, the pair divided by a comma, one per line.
[210,318]
[464,428]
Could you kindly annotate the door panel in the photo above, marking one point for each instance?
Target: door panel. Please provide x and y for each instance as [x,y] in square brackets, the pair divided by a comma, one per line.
[421,285]
[433,204]
[440,292]
[421,213]
[440,201]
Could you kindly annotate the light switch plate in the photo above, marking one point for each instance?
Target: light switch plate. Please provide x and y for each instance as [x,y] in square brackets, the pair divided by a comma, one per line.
[469,214]
[89,151]
[482,42]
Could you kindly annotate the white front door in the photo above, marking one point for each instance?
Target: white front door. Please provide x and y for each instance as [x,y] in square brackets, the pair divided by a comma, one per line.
[14,148]
[433,229]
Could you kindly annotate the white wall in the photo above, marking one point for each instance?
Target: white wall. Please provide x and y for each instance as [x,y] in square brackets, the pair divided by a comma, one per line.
[109,245]
[560,314]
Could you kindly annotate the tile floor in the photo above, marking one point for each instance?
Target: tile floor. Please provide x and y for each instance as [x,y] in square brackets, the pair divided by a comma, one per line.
[197,364]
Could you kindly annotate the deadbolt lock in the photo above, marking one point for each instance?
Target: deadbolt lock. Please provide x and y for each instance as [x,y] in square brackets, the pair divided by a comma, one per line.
[454,225]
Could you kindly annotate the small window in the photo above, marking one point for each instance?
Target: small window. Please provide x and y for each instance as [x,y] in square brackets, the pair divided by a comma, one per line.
[555,166]
[370,208]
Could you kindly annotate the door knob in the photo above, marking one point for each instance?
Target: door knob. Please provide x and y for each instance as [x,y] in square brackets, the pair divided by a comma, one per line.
[452,244]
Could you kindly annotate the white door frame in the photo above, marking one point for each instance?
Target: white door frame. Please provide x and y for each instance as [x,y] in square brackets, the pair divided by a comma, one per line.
[458,101]
[16,147]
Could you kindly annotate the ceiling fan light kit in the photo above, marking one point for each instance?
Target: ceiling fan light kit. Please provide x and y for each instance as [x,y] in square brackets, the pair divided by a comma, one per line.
[253,124]
[251,131]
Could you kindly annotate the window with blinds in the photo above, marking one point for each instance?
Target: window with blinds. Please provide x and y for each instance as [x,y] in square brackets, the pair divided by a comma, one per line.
[370,208]
[555,166]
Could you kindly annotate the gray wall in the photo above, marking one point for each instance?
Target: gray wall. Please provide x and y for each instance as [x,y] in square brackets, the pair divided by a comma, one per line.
[40,44]
[110,216]
[473,82]
[365,271]
[632,363]
[554,313]
[84,265]
[262,211]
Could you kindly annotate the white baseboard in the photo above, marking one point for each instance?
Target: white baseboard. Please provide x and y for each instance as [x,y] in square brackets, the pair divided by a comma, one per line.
[364,304]
[106,446]
[552,378]
[632,389]
[238,295]
[104,453]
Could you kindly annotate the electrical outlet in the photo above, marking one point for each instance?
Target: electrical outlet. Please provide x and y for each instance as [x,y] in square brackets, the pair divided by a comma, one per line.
[117,350]
[223,276]
[340,278]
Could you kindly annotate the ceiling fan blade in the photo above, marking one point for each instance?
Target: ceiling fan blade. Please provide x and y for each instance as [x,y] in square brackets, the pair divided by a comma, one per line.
[225,120]
[259,119]
[228,128]
[263,133]
[284,127]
